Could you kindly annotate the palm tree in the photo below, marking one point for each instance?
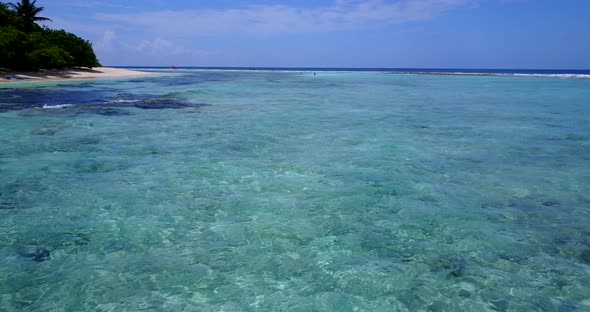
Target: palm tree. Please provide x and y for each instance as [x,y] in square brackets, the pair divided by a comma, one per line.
[29,11]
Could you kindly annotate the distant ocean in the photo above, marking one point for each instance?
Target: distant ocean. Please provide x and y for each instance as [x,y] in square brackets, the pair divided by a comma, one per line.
[562,73]
[257,189]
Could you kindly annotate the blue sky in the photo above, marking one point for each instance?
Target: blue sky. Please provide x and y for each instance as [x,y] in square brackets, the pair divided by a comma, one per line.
[332,33]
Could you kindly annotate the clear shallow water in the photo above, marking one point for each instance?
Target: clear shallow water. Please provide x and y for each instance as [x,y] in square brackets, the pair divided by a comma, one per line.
[277,191]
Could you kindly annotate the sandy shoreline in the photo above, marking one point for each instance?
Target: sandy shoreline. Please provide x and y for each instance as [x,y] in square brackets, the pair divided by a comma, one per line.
[7,76]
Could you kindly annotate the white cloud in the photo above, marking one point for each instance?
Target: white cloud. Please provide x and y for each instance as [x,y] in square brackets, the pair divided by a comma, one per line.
[107,41]
[78,27]
[159,46]
[282,19]
[110,43]
[93,4]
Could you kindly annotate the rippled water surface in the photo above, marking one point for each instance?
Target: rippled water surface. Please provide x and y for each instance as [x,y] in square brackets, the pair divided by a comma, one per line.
[285,191]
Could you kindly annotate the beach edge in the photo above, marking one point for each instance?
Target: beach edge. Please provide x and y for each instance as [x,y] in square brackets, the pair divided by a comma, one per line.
[9,76]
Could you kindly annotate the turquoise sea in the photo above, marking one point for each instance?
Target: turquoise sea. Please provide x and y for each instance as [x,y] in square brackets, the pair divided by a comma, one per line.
[217,190]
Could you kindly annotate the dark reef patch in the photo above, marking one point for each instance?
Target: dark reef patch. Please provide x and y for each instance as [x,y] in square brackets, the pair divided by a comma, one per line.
[161,104]
[40,247]
[21,185]
[39,254]
[5,205]
[13,195]
[551,203]
[70,101]
[167,101]
[453,266]
[20,99]
[76,110]
[109,109]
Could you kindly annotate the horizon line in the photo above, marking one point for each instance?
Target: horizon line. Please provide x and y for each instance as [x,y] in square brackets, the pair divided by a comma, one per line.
[332,67]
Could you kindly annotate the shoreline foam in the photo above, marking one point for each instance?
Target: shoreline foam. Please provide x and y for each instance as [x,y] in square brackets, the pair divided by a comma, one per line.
[563,76]
[7,76]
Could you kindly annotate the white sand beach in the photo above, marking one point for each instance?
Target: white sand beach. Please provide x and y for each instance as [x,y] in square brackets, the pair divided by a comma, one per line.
[7,76]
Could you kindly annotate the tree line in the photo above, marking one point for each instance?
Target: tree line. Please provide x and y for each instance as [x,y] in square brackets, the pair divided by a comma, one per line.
[24,45]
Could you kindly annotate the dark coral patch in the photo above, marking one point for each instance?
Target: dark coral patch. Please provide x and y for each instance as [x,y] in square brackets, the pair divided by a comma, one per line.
[39,254]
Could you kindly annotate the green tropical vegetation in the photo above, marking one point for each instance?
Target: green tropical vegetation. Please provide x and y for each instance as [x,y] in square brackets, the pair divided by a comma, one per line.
[24,45]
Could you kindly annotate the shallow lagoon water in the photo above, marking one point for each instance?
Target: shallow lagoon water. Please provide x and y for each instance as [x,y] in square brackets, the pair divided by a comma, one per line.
[284,191]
